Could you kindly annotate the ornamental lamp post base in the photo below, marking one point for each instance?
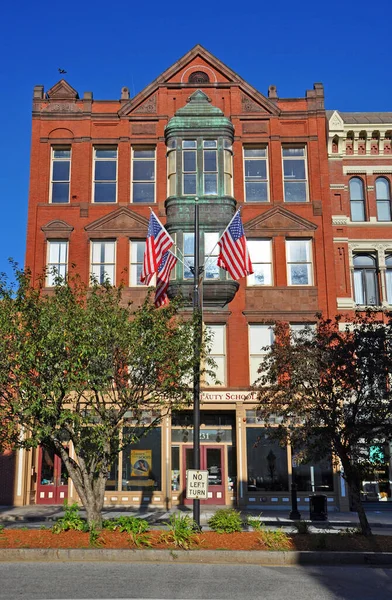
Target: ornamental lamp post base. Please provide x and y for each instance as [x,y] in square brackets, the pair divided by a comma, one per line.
[294,515]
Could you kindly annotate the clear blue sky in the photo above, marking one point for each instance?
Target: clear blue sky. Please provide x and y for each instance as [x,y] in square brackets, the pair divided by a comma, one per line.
[106,45]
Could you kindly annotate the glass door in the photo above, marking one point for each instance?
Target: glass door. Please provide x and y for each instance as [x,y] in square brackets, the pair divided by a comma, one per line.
[52,486]
[211,460]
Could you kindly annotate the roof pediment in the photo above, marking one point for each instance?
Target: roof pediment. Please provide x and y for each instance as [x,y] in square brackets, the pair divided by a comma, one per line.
[277,221]
[200,60]
[62,91]
[122,221]
[57,228]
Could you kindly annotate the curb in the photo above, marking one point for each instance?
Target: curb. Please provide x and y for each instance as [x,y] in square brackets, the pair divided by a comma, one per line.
[246,557]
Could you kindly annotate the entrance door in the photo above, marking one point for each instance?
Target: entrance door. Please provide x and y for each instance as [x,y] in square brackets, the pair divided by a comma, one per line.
[52,487]
[211,460]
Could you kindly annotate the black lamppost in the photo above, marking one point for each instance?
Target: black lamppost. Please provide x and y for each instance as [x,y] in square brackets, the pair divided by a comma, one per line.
[294,515]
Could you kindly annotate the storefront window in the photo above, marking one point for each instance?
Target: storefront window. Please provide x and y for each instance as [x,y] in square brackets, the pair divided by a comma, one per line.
[267,462]
[141,469]
[175,469]
[316,476]
[112,482]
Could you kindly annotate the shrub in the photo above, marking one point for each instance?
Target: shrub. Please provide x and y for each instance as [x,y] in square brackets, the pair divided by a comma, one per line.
[302,527]
[320,541]
[134,526]
[255,523]
[274,540]
[226,520]
[70,520]
[181,531]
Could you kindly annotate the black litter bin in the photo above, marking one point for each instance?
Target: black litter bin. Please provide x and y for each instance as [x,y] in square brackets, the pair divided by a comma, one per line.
[318,507]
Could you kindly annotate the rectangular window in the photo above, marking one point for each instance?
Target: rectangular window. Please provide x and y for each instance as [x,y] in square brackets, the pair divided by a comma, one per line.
[189,256]
[294,173]
[60,175]
[266,462]
[211,245]
[105,174]
[189,167]
[57,261]
[228,167]
[302,331]
[142,462]
[172,167]
[103,261]
[260,337]
[218,353]
[260,252]
[137,257]
[210,167]
[256,174]
[143,175]
[299,262]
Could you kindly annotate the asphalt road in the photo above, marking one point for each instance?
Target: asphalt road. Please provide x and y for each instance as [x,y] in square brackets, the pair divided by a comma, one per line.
[88,581]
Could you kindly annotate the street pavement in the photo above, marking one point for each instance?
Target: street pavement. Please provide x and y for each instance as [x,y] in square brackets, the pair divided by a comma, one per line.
[36,516]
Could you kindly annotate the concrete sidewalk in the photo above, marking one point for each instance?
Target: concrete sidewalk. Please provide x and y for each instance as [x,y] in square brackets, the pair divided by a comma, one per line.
[47,514]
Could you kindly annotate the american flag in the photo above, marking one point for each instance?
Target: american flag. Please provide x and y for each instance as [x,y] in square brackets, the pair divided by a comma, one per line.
[164,270]
[157,243]
[233,254]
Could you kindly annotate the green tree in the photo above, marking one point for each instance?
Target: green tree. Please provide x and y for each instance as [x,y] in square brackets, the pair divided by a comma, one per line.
[79,360]
[331,386]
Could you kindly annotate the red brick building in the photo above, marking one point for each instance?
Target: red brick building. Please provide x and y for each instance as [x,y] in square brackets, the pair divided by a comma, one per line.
[99,166]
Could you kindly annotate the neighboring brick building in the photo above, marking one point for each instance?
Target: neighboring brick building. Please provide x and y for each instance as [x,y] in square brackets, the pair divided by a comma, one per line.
[97,167]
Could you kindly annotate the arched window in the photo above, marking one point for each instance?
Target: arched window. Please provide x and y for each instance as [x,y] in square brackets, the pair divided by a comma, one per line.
[383,197]
[357,199]
[365,280]
[388,277]
[198,77]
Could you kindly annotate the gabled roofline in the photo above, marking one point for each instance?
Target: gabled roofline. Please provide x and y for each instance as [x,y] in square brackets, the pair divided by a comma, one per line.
[198,50]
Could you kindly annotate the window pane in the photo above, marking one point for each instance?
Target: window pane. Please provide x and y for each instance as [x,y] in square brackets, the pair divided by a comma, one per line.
[299,275]
[107,153]
[218,338]
[144,170]
[259,336]
[209,144]
[259,250]
[210,184]
[189,143]
[60,170]
[189,161]
[357,211]
[60,192]
[144,153]
[356,189]
[267,462]
[61,153]
[293,151]
[228,162]
[256,168]
[109,252]
[382,189]
[364,260]
[254,152]
[383,211]
[295,191]
[54,252]
[261,276]
[298,251]
[105,170]
[105,192]
[142,463]
[256,192]
[189,184]
[189,243]
[172,162]
[358,288]
[388,276]
[210,160]
[371,287]
[294,169]
[143,192]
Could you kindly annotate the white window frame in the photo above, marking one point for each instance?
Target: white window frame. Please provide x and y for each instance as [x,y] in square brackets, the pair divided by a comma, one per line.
[216,172]
[308,262]
[53,159]
[50,276]
[218,355]
[92,264]
[254,356]
[95,159]
[267,181]
[303,158]
[250,280]
[144,159]
[183,172]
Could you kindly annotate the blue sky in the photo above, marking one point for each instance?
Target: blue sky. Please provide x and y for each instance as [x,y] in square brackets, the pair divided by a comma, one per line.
[104,46]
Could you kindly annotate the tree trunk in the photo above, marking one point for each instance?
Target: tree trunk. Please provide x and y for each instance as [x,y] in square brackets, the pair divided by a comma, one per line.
[358,507]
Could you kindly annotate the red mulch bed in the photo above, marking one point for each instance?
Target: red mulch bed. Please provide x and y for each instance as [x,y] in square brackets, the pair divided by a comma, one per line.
[209,540]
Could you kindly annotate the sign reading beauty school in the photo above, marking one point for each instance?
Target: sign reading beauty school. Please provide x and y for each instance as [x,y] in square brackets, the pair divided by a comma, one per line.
[228,396]
[196,484]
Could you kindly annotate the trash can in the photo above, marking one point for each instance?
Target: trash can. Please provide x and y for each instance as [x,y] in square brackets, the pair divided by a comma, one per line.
[318,507]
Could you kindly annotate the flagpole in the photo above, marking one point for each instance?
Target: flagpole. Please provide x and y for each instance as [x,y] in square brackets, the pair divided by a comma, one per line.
[196,370]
